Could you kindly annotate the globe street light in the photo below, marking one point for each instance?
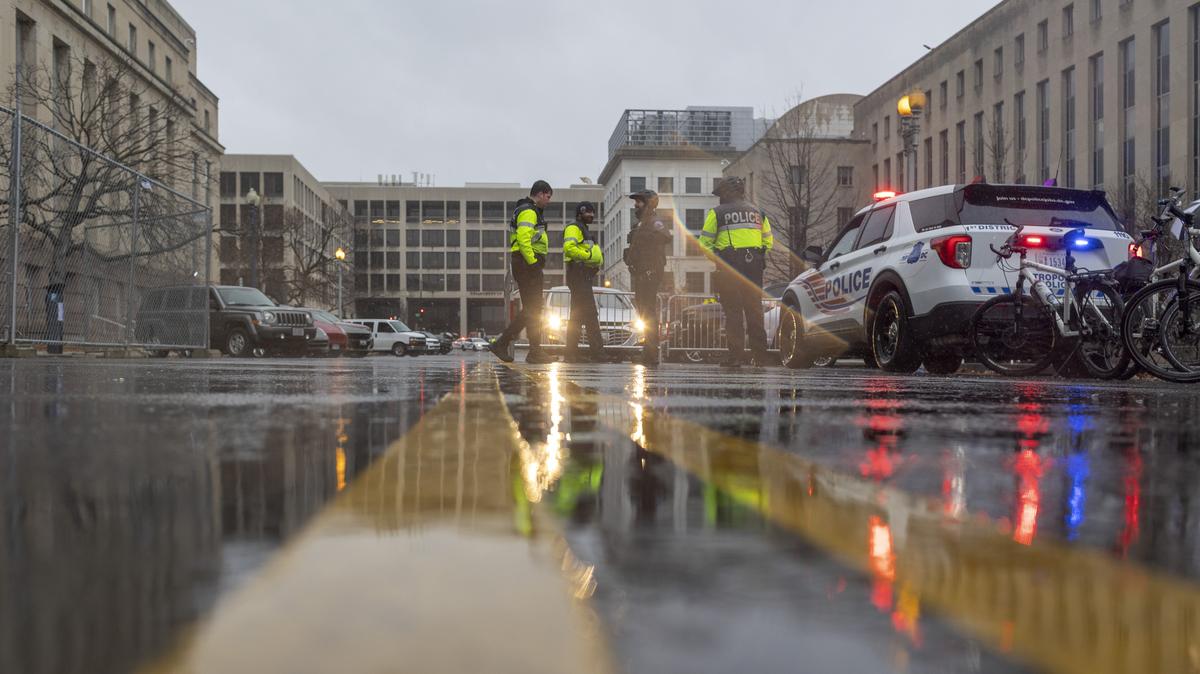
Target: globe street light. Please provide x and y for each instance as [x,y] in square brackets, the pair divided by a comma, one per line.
[340,254]
[910,108]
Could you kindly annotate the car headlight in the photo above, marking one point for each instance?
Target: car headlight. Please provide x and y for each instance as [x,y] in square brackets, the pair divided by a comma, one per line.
[639,325]
[322,335]
[554,321]
[269,317]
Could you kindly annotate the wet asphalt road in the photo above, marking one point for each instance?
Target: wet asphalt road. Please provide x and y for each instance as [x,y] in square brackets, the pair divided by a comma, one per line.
[835,520]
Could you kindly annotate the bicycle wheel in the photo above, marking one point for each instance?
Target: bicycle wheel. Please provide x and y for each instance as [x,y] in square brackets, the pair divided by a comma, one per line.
[1101,348]
[1180,336]
[1013,335]
[1140,328]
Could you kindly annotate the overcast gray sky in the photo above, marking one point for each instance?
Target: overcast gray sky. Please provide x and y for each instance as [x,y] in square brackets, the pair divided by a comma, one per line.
[514,91]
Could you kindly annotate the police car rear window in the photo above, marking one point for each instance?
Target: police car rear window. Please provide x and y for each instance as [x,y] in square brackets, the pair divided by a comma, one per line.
[994,204]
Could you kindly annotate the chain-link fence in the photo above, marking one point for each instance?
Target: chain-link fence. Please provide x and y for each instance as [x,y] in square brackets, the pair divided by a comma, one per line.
[94,253]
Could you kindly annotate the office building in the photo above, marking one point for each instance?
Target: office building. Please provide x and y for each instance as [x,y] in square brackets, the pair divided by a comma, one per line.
[436,257]
[296,225]
[1090,93]
[679,154]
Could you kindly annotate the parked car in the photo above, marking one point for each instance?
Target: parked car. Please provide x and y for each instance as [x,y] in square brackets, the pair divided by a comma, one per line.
[344,337]
[242,321]
[620,326]
[478,344]
[903,278]
[392,336]
[435,343]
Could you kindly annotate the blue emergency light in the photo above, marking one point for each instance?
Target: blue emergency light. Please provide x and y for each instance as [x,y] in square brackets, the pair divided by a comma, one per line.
[1083,243]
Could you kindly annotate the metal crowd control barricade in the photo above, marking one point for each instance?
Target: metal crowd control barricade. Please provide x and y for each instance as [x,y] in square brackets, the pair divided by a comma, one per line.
[696,327]
[95,253]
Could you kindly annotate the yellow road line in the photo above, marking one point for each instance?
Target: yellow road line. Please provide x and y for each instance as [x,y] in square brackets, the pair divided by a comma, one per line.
[430,561]
[1060,608]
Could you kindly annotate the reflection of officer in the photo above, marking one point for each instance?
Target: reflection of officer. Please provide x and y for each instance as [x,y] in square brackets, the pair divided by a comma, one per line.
[739,234]
[646,257]
[529,244]
[583,259]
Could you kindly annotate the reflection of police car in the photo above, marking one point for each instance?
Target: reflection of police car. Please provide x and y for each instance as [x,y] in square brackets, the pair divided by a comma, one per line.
[900,282]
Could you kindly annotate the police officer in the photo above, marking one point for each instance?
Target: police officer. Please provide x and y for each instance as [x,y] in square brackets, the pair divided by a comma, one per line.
[646,257]
[529,244]
[738,233]
[583,259]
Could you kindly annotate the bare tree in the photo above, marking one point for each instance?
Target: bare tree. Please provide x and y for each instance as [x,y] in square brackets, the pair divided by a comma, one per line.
[99,120]
[798,188]
[309,268]
[998,147]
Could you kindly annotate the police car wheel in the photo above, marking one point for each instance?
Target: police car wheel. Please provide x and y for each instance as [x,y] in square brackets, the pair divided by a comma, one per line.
[792,348]
[892,341]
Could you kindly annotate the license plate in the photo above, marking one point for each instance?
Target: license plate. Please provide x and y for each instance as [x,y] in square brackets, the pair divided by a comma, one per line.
[297,332]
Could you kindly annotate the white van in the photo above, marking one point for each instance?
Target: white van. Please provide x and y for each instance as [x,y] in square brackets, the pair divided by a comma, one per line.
[393,336]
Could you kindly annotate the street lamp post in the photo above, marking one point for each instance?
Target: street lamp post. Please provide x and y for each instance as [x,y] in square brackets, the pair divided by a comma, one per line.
[910,107]
[340,254]
[254,200]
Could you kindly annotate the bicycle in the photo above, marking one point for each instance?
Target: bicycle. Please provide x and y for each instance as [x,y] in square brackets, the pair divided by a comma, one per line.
[1019,335]
[1160,328]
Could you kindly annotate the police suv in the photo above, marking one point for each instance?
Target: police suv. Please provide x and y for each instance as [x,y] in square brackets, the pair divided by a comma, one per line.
[900,282]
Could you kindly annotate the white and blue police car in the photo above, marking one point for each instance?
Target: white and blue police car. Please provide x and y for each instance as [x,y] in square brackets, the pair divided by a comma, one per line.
[900,282]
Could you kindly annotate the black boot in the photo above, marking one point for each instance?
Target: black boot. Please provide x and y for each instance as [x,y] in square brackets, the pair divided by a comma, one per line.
[537,356]
[502,349]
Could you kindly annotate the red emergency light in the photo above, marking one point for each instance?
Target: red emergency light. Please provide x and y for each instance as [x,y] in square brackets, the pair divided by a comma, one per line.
[884,195]
[1034,241]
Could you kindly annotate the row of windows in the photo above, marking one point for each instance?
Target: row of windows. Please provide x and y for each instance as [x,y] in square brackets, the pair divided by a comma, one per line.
[234,185]
[438,260]
[998,61]
[1000,142]
[427,212]
[666,184]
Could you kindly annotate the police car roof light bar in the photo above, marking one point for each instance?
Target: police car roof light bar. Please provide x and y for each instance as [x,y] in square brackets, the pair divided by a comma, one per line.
[884,195]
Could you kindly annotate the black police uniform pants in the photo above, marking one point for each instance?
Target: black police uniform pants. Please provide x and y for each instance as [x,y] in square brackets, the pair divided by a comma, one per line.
[584,317]
[740,291]
[645,301]
[529,285]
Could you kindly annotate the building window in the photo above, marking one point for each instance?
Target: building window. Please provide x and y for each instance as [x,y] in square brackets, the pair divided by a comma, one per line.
[151,57]
[472,238]
[412,212]
[1068,141]
[1068,21]
[1043,35]
[998,66]
[1019,52]
[796,174]
[887,127]
[1128,114]
[978,76]
[433,260]
[493,283]
[943,94]
[875,133]
[875,174]
[433,238]
[961,163]
[980,167]
[112,21]
[1043,130]
[843,216]
[249,182]
[494,238]
[473,212]
[636,184]
[845,176]
[454,238]
[1020,131]
[944,143]
[693,219]
[887,174]
[691,185]
[272,184]
[169,70]
[132,46]
[228,184]
[929,162]
[412,282]
[393,260]
[377,260]
[492,260]
[960,84]
[453,260]
[666,185]
[472,260]
[493,211]
[1162,107]
[998,144]
[1096,118]
[393,238]
[412,238]
[1097,10]
[433,212]
[412,259]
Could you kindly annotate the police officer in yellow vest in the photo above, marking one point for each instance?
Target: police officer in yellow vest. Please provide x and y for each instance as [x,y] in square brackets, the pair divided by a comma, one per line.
[738,234]
[529,244]
[583,259]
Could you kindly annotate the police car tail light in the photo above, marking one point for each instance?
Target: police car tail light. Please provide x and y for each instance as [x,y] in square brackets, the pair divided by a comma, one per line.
[1135,250]
[954,251]
[1034,241]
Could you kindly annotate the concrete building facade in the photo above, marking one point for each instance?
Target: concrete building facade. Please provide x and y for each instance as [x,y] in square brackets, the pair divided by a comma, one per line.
[299,227]
[679,154]
[1093,93]
[437,257]
[805,173]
